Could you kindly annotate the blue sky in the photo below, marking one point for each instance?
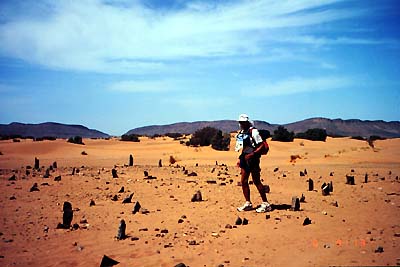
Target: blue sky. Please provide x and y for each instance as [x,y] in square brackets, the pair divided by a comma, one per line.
[115,65]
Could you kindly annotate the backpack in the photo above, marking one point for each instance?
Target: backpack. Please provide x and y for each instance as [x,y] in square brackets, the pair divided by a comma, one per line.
[265,147]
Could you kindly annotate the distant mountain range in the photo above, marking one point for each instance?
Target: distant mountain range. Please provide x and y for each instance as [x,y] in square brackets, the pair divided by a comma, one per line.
[49,129]
[336,127]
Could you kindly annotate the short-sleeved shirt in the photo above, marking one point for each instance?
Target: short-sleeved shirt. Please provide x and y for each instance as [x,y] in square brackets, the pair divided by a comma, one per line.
[248,140]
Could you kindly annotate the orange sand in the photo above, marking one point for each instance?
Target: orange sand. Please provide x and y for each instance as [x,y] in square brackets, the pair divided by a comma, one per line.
[367,215]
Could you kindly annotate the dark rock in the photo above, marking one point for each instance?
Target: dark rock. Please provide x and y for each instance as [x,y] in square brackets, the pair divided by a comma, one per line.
[27,172]
[197,197]
[36,167]
[366,178]
[13,198]
[114,198]
[68,214]
[306,221]
[164,231]
[57,178]
[379,249]
[121,230]
[276,169]
[12,178]
[267,189]
[180,221]
[325,189]
[305,171]
[228,226]
[73,171]
[302,173]
[128,199]
[245,221]
[55,164]
[211,182]
[34,188]
[75,226]
[238,221]
[130,160]
[310,184]
[331,174]
[145,173]
[150,177]
[47,173]
[160,163]
[114,173]
[108,262]
[136,207]
[267,216]
[192,174]
[121,190]
[92,203]
[330,186]
[295,204]
[350,180]
[303,198]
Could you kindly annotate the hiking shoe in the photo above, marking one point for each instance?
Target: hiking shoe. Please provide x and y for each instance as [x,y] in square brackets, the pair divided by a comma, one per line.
[264,207]
[246,207]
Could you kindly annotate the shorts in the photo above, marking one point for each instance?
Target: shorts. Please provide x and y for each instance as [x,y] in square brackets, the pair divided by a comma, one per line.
[251,165]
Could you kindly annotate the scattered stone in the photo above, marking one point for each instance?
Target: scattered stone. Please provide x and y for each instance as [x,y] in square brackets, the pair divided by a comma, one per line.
[330,186]
[331,174]
[36,167]
[114,173]
[295,204]
[55,164]
[182,264]
[75,226]
[276,169]
[325,189]
[128,199]
[108,262]
[303,198]
[267,189]
[211,182]
[13,198]
[134,238]
[306,221]
[12,178]
[57,178]
[160,163]
[310,184]
[352,170]
[302,174]
[121,190]
[92,203]
[245,221]
[366,178]
[305,171]
[267,216]
[335,204]
[379,249]
[238,221]
[228,226]
[130,160]
[114,198]
[192,174]
[350,180]
[68,213]
[136,207]
[180,221]
[164,231]
[145,173]
[34,188]
[197,197]
[121,230]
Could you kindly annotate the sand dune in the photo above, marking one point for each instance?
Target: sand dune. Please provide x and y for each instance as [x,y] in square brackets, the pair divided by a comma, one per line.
[174,229]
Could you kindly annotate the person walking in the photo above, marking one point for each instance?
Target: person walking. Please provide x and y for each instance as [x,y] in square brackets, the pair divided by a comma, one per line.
[250,142]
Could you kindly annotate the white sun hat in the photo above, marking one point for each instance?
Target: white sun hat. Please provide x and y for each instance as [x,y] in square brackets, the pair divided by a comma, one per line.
[243,117]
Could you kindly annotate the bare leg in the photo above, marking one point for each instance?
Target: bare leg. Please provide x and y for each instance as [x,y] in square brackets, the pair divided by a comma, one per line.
[245,184]
[260,187]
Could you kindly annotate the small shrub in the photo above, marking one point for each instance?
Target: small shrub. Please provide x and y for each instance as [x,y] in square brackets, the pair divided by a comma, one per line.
[130,138]
[76,140]
[15,140]
[175,136]
[315,134]
[373,138]
[283,135]
[210,136]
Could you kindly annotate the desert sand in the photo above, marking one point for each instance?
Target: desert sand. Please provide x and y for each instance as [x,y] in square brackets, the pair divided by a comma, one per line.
[363,229]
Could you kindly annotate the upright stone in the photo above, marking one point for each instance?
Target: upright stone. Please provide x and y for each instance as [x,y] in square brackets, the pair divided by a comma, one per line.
[121,230]
[55,165]
[350,180]
[330,187]
[114,173]
[68,214]
[160,163]
[197,197]
[366,178]
[295,204]
[325,189]
[310,185]
[108,262]
[136,207]
[130,160]
[37,167]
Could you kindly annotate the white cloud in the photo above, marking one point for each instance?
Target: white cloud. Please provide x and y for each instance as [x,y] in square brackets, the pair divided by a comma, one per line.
[145,86]
[295,85]
[128,37]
